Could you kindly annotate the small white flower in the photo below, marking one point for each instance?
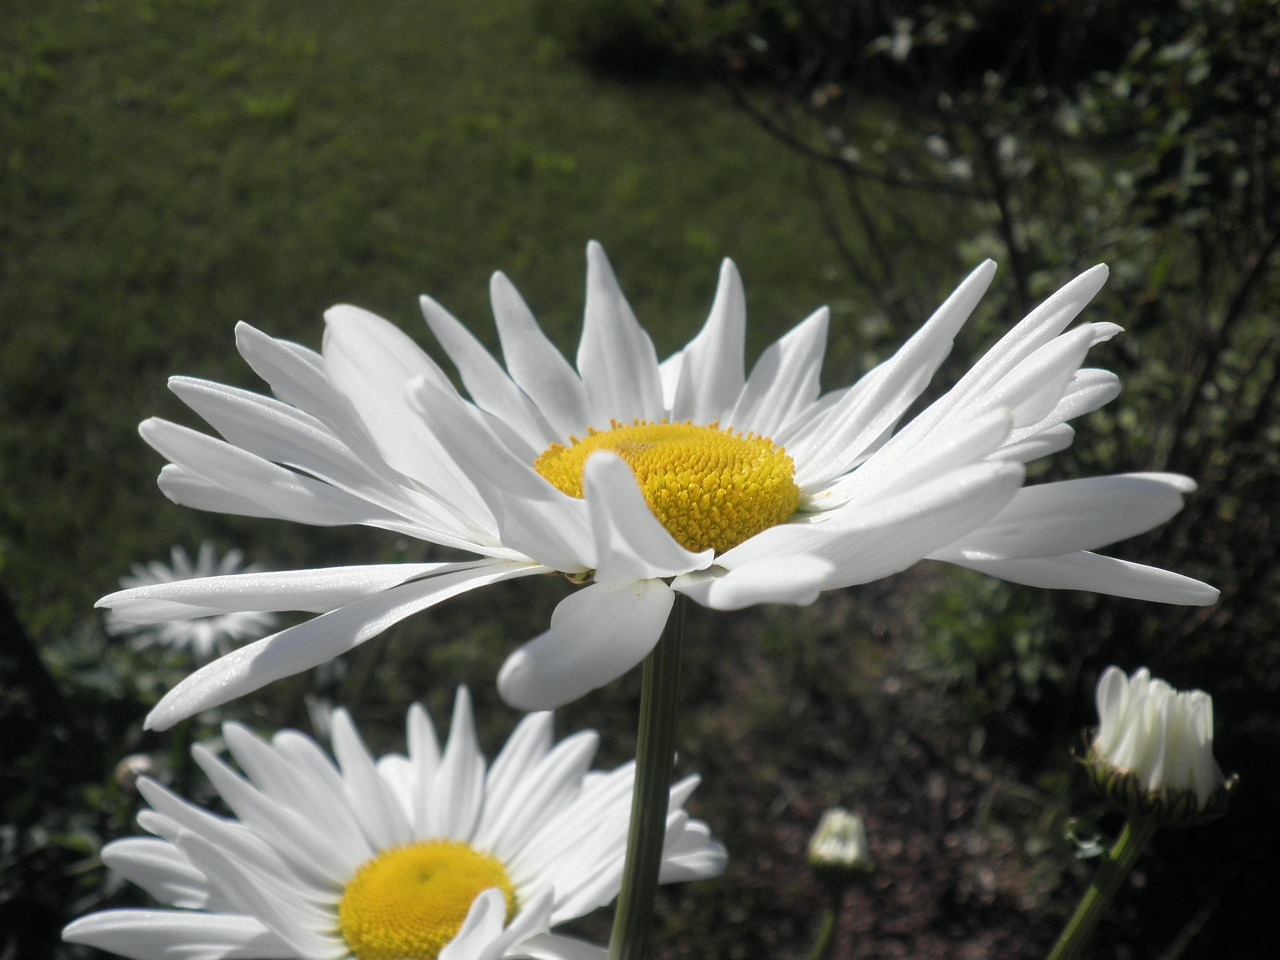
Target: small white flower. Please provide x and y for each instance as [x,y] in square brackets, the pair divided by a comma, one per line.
[412,857]
[839,849]
[642,479]
[1153,751]
[204,636]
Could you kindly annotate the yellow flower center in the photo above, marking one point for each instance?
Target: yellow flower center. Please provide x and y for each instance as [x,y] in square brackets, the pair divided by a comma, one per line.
[709,487]
[408,902]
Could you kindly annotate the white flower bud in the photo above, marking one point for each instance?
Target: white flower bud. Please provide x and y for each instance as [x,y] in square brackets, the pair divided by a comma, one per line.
[1153,751]
[838,851]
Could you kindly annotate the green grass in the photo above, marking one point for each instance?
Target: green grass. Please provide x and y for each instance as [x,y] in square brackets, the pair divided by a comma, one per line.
[170,168]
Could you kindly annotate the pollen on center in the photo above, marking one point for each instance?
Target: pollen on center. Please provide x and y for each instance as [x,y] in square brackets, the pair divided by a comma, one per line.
[409,902]
[709,487]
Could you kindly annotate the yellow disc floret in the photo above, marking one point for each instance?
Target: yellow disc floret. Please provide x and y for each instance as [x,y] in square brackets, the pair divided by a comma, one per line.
[408,902]
[709,487]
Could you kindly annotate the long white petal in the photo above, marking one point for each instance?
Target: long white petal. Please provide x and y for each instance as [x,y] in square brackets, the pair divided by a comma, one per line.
[158,867]
[1099,574]
[323,638]
[373,363]
[616,358]
[537,367]
[458,791]
[177,935]
[784,381]
[487,383]
[711,373]
[1054,518]
[630,543]
[380,814]
[315,591]
[887,391]
[597,634]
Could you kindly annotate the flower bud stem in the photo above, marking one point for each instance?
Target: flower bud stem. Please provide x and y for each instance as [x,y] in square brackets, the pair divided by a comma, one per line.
[830,920]
[1119,862]
[655,757]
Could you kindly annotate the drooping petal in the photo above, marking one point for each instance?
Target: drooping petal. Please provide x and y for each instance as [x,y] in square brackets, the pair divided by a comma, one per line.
[177,935]
[597,634]
[323,638]
[1071,515]
[630,543]
[796,579]
[1099,574]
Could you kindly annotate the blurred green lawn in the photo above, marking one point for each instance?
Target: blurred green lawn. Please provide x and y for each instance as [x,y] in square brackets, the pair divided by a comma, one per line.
[171,168]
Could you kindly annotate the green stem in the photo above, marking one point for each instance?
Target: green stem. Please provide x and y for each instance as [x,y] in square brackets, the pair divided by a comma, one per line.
[655,757]
[1115,868]
[830,920]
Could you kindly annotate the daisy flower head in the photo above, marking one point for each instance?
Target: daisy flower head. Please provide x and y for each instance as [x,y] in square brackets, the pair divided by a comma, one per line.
[433,854]
[641,479]
[204,636]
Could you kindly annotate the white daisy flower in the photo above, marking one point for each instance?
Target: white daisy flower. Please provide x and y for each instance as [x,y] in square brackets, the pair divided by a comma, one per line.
[642,479]
[1153,750]
[204,636]
[404,858]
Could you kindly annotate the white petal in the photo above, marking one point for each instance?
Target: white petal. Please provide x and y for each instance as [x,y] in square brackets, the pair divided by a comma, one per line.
[1037,445]
[158,867]
[380,814]
[177,935]
[479,930]
[892,468]
[597,634]
[711,373]
[615,358]
[311,590]
[1034,388]
[539,369]
[323,638]
[784,380]
[373,363]
[1037,328]
[277,491]
[1056,518]
[866,542]
[289,918]
[553,946]
[458,791]
[794,579]
[547,787]
[485,380]
[297,838]
[1099,574]
[630,542]
[883,396]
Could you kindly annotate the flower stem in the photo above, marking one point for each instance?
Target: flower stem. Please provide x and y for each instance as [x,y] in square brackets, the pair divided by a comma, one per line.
[655,757]
[830,919]
[1115,868]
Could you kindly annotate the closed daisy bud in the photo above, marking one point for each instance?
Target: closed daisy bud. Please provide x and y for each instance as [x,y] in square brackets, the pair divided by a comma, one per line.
[838,852]
[1153,751]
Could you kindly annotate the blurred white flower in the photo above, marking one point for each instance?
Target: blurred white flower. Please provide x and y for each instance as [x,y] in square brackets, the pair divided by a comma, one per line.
[409,857]
[1153,751]
[641,479]
[839,850]
[204,636]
